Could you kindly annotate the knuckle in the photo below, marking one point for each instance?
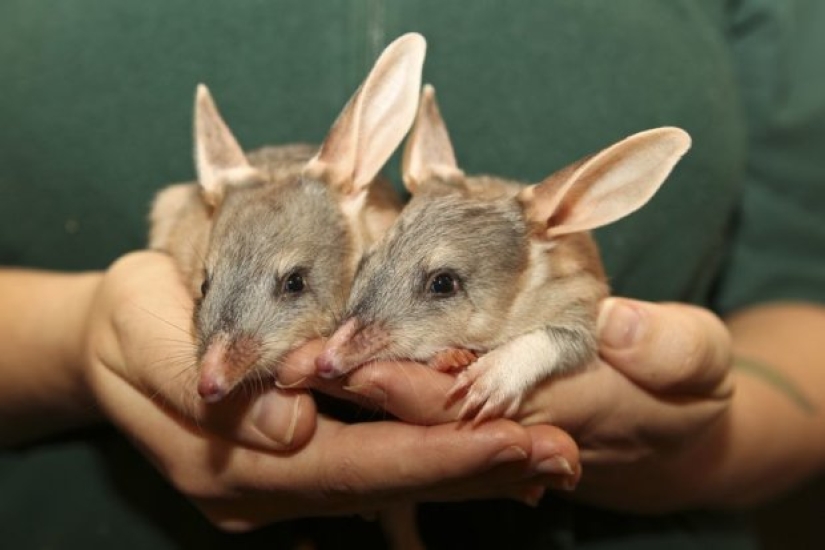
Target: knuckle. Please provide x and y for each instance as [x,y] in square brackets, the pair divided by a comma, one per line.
[190,485]
[232,525]
[506,433]
[196,483]
[694,353]
[706,348]
[343,478]
[216,515]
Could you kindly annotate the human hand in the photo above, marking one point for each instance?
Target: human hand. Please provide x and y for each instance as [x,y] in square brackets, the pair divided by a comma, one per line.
[255,459]
[655,399]
[650,416]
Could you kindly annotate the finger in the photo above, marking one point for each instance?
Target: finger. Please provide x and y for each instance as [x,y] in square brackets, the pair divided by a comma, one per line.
[614,419]
[666,347]
[197,463]
[157,356]
[275,420]
[297,369]
[395,456]
[343,469]
[351,468]
[553,463]
[412,392]
[554,452]
[348,469]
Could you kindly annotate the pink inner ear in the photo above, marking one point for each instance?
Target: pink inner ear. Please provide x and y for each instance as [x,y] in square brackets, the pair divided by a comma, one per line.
[219,159]
[607,186]
[429,151]
[541,202]
[335,161]
[375,120]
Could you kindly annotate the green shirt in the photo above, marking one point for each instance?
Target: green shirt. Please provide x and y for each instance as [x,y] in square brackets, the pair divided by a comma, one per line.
[95,117]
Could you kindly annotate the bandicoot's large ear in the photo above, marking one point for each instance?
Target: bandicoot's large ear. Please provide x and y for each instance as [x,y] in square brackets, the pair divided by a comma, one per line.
[429,152]
[374,121]
[219,159]
[607,186]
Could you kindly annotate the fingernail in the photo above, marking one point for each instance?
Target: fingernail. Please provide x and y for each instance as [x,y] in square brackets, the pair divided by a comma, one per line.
[276,417]
[619,323]
[565,484]
[533,496]
[510,454]
[370,391]
[297,384]
[555,465]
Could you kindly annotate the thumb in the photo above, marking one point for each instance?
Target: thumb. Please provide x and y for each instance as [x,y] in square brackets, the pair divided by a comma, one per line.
[666,347]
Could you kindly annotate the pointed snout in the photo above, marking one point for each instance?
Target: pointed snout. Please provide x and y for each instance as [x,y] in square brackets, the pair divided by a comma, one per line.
[225,364]
[330,363]
[352,345]
[212,384]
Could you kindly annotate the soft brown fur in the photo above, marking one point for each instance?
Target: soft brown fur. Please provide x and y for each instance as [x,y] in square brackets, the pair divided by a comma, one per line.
[268,241]
[529,276]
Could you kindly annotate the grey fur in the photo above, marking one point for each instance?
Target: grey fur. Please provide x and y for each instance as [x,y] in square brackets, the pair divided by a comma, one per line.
[257,219]
[484,239]
[254,238]
[261,233]
[529,270]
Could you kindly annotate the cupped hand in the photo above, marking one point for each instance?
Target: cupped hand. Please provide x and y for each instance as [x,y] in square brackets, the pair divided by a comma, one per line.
[652,416]
[140,331]
[265,456]
[655,399]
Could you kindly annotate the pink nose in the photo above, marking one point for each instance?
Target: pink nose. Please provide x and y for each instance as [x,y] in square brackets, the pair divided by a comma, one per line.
[212,385]
[327,365]
[331,361]
[211,388]
[225,364]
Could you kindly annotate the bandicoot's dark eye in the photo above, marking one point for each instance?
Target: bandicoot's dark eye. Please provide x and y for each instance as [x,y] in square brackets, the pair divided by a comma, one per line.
[443,283]
[205,286]
[294,283]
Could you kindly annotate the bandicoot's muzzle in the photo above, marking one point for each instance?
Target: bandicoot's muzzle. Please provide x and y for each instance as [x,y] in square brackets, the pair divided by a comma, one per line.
[352,345]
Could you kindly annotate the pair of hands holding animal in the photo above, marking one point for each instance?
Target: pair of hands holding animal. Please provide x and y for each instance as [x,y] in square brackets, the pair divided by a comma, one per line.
[637,415]
[250,458]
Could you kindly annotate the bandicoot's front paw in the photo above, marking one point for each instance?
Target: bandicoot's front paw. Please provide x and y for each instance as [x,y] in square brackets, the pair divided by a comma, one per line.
[489,391]
[452,359]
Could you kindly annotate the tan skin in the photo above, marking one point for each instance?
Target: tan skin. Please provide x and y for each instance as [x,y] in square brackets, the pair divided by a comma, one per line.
[113,347]
[659,425]
[657,414]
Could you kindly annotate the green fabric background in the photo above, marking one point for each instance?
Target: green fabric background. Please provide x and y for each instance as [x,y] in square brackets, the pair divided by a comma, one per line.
[95,117]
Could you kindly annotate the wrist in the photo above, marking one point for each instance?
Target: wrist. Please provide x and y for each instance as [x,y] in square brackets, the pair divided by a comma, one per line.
[76,312]
[44,322]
